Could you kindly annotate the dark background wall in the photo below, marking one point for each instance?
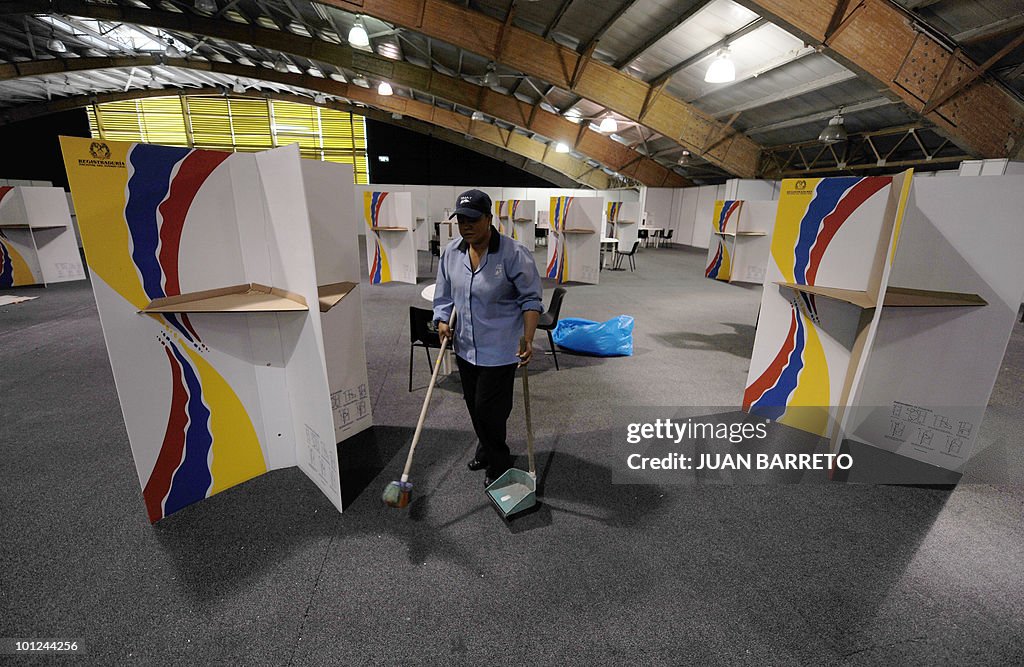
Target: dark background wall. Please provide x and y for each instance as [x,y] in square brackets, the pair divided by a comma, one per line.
[416,159]
[31,150]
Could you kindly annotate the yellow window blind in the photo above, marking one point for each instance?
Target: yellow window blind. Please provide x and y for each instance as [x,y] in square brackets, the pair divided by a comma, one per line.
[236,124]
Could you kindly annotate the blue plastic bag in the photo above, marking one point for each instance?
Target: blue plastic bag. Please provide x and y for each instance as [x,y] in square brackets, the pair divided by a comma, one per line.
[613,338]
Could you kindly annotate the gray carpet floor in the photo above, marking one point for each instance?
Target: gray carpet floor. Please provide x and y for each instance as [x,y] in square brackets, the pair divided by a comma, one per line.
[601,573]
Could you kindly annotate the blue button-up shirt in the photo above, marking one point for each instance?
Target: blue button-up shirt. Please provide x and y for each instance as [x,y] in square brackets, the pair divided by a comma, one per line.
[490,301]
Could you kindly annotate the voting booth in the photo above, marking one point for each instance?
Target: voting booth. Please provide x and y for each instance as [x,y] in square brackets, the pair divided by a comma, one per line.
[516,218]
[390,237]
[624,220]
[885,317]
[225,353]
[574,245]
[37,240]
[740,240]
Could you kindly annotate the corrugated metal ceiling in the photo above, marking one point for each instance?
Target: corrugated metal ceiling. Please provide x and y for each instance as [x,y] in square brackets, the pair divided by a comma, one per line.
[780,82]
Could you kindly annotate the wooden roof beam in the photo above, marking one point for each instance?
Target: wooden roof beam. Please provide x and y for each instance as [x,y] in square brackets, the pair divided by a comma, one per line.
[882,42]
[503,107]
[506,156]
[566,164]
[533,55]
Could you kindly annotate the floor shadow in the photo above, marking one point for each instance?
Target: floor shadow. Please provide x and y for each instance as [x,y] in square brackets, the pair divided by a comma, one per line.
[584,488]
[364,456]
[221,544]
[739,343]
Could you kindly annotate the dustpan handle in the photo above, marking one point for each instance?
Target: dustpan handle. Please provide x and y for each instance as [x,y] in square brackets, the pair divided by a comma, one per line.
[426,399]
[526,404]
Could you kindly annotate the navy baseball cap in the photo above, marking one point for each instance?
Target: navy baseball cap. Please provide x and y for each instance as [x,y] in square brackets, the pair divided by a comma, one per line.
[473,204]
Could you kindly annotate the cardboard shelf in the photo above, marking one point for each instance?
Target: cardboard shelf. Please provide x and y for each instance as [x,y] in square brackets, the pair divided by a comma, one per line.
[522,220]
[623,222]
[904,296]
[858,298]
[895,297]
[244,298]
[390,229]
[330,295]
[19,226]
[741,233]
[579,231]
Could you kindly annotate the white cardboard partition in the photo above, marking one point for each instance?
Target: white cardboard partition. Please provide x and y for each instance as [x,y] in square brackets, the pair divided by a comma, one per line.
[37,239]
[740,240]
[931,371]
[753,241]
[624,219]
[895,315]
[390,239]
[516,218]
[205,279]
[335,224]
[574,244]
[832,233]
[707,195]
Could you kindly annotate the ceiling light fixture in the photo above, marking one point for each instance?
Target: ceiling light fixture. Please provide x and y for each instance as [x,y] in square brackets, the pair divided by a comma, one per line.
[361,82]
[384,88]
[835,131]
[357,36]
[684,158]
[608,125]
[561,148]
[280,66]
[55,45]
[491,78]
[237,87]
[573,115]
[477,116]
[207,6]
[170,50]
[721,69]
[320,98]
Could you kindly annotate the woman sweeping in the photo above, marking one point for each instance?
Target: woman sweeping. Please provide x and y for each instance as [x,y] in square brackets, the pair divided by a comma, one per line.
[493,283]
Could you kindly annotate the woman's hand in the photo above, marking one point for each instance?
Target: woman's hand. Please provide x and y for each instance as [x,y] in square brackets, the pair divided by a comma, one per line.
[525,352]
[443,331]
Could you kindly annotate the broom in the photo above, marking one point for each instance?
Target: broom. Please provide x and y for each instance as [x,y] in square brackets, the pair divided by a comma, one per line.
[398,493]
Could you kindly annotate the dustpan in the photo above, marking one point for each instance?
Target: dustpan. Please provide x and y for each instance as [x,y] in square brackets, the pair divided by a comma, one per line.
[516,490]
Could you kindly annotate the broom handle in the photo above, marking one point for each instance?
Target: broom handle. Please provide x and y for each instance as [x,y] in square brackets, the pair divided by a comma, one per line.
[529,422]
[426,399]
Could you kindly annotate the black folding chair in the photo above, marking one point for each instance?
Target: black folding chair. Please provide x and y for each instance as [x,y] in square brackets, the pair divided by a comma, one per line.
[549,319]
[422,334]
[435,251]
[631,255]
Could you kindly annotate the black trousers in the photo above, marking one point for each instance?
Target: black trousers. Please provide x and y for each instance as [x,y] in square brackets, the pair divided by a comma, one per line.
[488,394]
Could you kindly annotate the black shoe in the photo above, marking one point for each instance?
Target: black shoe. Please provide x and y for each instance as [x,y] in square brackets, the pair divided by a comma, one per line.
[476,464]
[492,475]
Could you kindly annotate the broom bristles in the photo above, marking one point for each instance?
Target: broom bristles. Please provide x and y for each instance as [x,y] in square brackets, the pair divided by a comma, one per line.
[397,494]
